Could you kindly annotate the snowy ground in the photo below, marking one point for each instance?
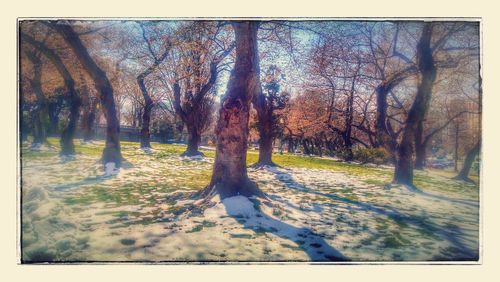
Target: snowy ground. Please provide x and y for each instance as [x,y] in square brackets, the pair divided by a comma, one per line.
[70,212]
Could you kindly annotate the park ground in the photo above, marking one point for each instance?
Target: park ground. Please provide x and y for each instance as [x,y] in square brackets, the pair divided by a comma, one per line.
[317,209]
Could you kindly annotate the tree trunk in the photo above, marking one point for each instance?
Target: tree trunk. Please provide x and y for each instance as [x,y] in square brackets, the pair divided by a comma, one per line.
[229,176]
[194,139]
[67,146]
[146,115]
[305,145]
[111,153]
[88,120]
[382,135]
[265,149]
[40,111]
[455,157]
[469,159]
[265,127]
[404,159]
[420,147]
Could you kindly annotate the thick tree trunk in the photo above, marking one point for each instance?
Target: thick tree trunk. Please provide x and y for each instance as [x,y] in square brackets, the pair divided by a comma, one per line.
[111,153]
[265,149]
[194,139]
[229,176]
[469,159]
[404,159]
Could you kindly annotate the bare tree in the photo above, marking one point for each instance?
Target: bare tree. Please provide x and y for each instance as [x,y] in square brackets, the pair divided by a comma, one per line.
[201,55]
[111,153]
[404,159]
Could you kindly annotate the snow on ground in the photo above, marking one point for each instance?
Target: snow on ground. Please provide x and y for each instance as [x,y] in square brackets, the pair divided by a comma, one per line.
[71,211]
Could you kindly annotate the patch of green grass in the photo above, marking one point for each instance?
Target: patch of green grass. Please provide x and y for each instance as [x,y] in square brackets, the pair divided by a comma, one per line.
[197,228]
[196,179]
[127,242]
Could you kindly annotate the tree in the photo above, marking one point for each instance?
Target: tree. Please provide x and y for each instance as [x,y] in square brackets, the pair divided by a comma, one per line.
[148,102]
[229,177]
[267,103]
[404,159]
[111,153]
[67,146]
[200,55]
[89,102]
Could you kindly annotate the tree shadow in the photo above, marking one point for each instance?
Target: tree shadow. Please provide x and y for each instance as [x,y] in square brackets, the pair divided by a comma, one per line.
[314,245]
[455,235]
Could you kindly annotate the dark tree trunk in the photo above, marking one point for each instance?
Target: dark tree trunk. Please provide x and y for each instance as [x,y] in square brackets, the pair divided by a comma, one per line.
[229,176]
[382,135]
[67,146]
[404,158]
[265,127]
[265,150]
[54,109]
[111,153]
[88,119]
[146,115]
[194,139]
[305,145]
[420,147]
[469,159]
[455,154]
[349,116]
[291,145]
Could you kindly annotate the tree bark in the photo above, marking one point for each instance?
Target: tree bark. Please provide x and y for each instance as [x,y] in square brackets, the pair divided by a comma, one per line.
[111,152]
[420,146]
[469,159]
[229,176]
[88,118]
[455,153]
[146,114]
[194,139]
[404,158]
[265,128]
